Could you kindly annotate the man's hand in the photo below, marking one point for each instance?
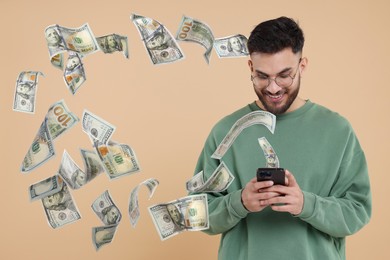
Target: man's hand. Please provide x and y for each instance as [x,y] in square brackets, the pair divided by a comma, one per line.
[253,194]
[291,199]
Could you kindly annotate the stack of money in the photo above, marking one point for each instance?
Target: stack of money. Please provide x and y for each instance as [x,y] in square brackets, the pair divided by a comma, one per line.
[159,43]
[109,214]
[57,120]
[57,201]
[26,91]
[185,214]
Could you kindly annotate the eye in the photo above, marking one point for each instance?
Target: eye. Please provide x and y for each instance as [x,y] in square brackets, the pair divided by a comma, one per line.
[263,77]
[284,76]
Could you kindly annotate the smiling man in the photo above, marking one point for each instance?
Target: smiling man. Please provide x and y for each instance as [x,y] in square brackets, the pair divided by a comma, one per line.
[326,195]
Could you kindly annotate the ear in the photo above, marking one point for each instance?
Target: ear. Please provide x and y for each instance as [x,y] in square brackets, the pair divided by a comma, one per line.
[303,64]
[250,64]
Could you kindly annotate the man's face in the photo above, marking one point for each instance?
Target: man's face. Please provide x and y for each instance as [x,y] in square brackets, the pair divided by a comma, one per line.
[277,99]
[72,63]
[235,43]
[156,41]
[174,212]
[52,200]
[81,178]
[111,41]
[52,36]
[23,88]
[112,215]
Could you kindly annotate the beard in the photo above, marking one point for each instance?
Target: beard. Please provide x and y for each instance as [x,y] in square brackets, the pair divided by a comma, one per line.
[278,108]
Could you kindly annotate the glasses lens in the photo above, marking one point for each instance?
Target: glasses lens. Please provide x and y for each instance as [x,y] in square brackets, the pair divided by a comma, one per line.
[284,81]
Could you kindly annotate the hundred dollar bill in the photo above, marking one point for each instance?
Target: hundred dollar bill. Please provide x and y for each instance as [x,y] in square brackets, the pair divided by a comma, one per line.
[60,208]
[134,212]
[196,31]
[26,91]
[231,46]
[219,181]
[187,213]
[74,74]
[71,172]
[159,43]
[113,43]
[92,164]
[40,151]
[271,158]
[103,235]
[118,159]
[60,119]
[256,117]
[99,130]
[60,39]
[45,188]
[106,210]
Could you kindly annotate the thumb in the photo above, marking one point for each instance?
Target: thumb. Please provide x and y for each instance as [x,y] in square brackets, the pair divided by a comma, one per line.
[290,179]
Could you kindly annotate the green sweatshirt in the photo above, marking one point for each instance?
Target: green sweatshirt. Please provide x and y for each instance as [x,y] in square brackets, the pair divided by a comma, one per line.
[321,150]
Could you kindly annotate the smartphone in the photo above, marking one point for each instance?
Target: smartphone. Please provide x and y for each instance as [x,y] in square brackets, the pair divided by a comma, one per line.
[277,175]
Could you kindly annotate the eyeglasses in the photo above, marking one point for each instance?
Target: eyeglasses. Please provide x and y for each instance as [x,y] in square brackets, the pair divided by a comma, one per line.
[283,80]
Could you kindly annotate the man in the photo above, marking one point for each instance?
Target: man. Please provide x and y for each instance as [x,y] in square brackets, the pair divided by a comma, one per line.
[327,193]
[236,47]
[176,216]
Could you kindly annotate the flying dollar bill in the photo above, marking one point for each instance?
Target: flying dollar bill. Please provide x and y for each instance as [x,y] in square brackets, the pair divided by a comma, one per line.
[103,235]
[92,163]
[99,130]
[231,46]
[106,210]
[159,43]
[61,39]
[118,159]
[72,174]
[134,212]
[45,188]
[40,151]
[112,43]
[58,119]
[271,158]
[26,91]
[256,117]
[74,74]
[196,31]
[60,208]
[185,214]
[219,180]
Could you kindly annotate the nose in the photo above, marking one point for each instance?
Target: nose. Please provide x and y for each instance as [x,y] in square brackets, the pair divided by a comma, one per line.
[273,88]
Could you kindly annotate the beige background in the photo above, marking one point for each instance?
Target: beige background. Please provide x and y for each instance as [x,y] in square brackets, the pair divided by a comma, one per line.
[165,112]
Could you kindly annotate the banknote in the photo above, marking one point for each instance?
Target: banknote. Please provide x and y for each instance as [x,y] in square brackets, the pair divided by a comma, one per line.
[185,214]
[45,188]
[134,212]
[40,151]
[196,31]
[74,74]
[71,172]
[26,91]
[118,159]
[231,46]
[112,43]
[106,210]
[61,39]
[271,158]
[256,117]
[99,130]
[159,42]
[219,180]
[60,208]
[92,164]
[60,119]
[103,235]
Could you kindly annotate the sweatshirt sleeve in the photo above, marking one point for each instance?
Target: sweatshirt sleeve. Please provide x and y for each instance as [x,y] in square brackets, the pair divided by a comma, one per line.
[225,209]
[348,207]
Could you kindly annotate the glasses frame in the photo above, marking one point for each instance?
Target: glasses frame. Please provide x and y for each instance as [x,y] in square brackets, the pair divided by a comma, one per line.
[274,79]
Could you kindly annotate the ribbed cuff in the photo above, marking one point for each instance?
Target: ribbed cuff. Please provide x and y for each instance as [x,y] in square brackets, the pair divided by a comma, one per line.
[237,204]
[308,205]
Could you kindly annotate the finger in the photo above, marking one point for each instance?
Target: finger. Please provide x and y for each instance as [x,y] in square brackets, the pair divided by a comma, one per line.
[263,184]
[291,179]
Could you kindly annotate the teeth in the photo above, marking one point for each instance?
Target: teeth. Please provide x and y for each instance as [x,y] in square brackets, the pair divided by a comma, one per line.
[275,97]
